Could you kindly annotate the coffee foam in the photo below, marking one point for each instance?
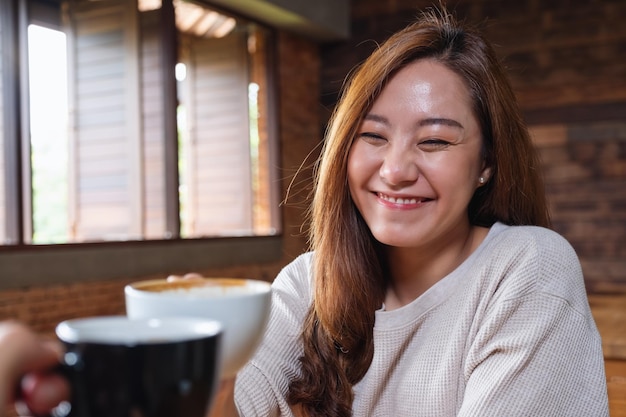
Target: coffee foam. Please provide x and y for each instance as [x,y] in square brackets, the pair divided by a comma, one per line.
[201,287]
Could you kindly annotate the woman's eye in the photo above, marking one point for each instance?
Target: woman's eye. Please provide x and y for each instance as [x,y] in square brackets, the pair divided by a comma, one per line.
[371,137]
[434,143]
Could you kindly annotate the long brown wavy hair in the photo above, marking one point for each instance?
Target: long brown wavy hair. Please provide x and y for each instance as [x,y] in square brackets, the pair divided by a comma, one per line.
[349,268]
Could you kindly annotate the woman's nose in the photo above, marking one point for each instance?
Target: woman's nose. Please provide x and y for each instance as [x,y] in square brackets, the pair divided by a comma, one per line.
[399,167]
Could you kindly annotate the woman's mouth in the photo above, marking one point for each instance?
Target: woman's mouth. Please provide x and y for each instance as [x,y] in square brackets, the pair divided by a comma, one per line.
[402,200]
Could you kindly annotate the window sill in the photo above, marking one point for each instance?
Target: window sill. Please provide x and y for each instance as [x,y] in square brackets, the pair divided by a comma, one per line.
[56,264]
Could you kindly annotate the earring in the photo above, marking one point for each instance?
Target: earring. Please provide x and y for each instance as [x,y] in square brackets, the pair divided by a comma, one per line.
[481,180]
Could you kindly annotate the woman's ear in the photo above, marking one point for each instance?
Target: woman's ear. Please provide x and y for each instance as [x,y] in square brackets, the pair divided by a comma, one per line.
[484,176]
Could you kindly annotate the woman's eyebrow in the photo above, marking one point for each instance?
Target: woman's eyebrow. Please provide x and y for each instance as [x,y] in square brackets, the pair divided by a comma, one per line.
[421,123]
[440,121]
[376,118]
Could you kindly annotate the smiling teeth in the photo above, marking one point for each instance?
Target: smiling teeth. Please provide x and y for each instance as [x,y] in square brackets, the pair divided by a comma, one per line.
[398,200]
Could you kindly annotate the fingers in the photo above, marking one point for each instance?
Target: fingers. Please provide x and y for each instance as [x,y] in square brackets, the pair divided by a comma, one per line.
[190,276]
[42,392]
[224,402]
[24,352]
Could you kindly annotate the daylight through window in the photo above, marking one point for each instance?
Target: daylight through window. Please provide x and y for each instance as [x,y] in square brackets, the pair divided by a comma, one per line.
[139,132]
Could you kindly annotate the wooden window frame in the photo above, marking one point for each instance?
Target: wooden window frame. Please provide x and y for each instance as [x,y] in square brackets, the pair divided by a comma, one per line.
[22,264]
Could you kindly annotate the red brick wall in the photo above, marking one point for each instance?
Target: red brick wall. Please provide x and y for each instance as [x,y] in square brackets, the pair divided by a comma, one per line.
[567,63]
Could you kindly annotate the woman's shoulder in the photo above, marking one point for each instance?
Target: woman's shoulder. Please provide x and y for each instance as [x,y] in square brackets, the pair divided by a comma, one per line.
[535,259]
[541,241]
[296,275]
[301,264]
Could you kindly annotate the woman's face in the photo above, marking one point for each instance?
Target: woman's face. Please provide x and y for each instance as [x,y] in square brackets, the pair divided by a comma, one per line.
[416,161]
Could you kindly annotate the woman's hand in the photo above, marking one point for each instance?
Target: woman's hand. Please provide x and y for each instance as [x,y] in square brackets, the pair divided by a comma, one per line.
[224,401]
[190,276]
[25,361]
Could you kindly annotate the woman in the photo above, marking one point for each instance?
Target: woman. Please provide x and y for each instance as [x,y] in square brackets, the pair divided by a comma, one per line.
[434,287]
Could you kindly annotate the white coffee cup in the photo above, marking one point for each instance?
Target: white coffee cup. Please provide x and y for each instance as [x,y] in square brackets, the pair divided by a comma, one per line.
[241,305]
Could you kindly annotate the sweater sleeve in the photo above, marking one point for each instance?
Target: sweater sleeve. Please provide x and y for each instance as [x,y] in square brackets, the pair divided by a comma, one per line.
[261,386]
[538,351]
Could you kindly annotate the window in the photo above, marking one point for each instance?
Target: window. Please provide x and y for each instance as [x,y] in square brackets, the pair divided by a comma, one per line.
[142,121]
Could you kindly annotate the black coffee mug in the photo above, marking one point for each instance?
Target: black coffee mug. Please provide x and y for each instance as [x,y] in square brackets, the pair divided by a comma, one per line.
[118,367]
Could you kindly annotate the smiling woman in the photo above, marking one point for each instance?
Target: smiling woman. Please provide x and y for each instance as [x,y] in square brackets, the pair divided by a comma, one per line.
[399,166]
[401,181]
[434,286]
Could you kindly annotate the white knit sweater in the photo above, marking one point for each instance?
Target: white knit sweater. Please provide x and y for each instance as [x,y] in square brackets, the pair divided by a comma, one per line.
[508,333]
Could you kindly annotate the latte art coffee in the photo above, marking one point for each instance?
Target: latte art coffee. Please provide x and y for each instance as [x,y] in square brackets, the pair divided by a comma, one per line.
[202,288]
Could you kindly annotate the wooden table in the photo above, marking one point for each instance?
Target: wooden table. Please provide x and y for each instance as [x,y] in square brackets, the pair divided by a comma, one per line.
[609,311]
